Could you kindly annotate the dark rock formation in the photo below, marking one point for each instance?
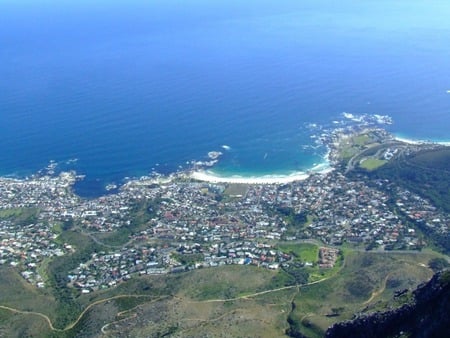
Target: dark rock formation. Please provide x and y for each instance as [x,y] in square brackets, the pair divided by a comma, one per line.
[427,314]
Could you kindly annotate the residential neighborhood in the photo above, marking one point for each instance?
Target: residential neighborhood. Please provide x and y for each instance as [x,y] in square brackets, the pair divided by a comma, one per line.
[195,224]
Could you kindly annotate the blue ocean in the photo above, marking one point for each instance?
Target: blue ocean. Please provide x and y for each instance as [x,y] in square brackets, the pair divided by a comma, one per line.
[116,89]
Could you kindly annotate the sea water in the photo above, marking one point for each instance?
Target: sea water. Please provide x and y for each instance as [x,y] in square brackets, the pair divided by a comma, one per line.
[124,88]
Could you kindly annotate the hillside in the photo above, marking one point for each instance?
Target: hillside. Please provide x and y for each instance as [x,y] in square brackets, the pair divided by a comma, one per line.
[182,258]
[426,173]
[424,315]
[416,171]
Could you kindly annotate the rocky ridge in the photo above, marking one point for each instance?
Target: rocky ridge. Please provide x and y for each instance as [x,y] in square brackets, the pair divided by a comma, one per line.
[425,314]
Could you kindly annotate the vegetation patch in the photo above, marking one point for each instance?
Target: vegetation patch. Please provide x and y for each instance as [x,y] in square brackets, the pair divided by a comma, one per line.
[188,259]
[438,264]
[426,173]
[20,215]
[361,140]
[366,282]
[372,163]
[304,252]
[226,282]
[360,286]
[141,213]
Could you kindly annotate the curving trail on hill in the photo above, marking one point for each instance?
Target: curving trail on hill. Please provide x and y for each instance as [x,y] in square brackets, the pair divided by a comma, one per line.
[72,325]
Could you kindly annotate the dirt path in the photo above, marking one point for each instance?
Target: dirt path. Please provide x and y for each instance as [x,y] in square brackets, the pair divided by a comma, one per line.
[244,297]
[256,294]
[50,324]
[72,325]
[378,292]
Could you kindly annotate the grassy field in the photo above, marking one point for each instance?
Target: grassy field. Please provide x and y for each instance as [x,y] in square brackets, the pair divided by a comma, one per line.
[308,252]
[365,283]
[351,146]
[304,252]
[16,293]
[208,300]
[226,282]
[228,301]
[347,152]
[372,163]
[361,140]
[20,215]
[213,301]
[365,142]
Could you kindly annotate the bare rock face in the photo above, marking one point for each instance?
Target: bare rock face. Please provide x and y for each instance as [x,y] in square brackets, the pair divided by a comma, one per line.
[425,315]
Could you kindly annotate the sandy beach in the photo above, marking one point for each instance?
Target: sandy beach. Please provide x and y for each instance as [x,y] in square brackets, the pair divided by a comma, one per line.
[409,141]
[208,176]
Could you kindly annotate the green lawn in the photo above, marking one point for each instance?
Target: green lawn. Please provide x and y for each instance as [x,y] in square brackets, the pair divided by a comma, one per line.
[361,140]
[372,163]
[305,252]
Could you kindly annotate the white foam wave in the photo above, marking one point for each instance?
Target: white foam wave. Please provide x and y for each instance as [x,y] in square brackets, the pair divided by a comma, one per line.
[368,118]
[409,141]
[208,176]
[416,142]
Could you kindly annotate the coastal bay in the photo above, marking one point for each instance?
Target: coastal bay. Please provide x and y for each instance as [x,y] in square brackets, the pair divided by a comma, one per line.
[154,87]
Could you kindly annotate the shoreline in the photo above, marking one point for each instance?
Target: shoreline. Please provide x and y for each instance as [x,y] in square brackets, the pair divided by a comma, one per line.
[208,176]
[322,168]
[202,171]
[418,142]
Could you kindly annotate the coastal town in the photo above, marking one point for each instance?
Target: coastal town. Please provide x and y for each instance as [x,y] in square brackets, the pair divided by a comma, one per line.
[192,220]
[224,169]
[191,224]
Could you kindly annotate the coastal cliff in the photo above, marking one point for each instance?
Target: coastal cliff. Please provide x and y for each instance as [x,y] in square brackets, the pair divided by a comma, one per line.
[426,314]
